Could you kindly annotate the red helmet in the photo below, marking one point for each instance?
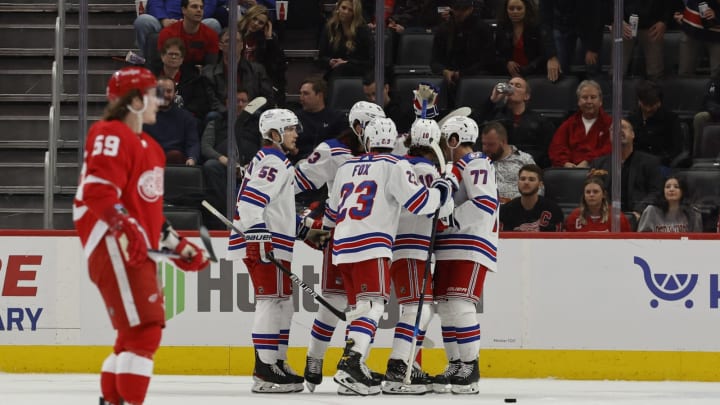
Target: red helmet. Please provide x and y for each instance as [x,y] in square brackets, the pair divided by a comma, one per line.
[129,78]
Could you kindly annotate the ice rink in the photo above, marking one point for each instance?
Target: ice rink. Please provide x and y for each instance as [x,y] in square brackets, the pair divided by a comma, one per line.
[75,389]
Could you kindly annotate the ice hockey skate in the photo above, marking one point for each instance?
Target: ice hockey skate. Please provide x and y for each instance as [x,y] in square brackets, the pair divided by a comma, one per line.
[352,372]
[313,372]
[104,402]
[271,379]
[394,379]
[374,389]
[465,381]
[294,377]
[441,382]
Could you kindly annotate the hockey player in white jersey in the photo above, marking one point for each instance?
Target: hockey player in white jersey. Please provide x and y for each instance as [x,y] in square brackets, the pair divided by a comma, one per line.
[364,206]
[465,251]
[410,252]
[312,174]
[265,213]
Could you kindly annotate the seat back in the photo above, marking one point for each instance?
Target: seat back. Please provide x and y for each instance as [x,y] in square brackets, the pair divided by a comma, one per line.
[404,86]
[565,185]
[554,100]
[704,192]
[684,95]
[343,92]
[474,91]
[183,218]
[709,145]
[184,186]
[414,53]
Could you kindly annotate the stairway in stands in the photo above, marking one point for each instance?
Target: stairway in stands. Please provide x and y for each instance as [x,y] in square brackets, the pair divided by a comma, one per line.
[27,36]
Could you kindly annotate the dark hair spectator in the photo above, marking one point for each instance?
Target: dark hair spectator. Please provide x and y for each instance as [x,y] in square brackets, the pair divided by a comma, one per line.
[670,212]
[518,41]
[653,18]
[201,42]
[530,212]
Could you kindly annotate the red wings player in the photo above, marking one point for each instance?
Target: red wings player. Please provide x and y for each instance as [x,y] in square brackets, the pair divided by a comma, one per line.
[118,215]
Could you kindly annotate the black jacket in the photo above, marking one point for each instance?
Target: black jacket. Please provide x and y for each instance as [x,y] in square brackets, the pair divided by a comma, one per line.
[644,180]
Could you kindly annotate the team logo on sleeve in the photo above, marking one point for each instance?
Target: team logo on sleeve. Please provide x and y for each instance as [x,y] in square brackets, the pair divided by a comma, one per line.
[150,184]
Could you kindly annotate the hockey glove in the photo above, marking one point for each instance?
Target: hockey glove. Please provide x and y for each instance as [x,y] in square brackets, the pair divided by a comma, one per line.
[310,230]
[428,93]
[444,186]
[192,257]
[259,245]
[128,234]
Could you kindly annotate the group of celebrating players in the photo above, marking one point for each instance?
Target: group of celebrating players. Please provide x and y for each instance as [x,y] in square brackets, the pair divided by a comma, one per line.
[379,226]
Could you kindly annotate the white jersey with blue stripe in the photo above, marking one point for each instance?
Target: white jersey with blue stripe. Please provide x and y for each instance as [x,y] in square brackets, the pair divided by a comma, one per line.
[266,199]
[476,214]
[364,205]
[413,235]
[319,168]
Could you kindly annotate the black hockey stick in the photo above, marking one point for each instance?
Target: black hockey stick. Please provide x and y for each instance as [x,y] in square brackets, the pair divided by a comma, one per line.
[295,279]
[207,243]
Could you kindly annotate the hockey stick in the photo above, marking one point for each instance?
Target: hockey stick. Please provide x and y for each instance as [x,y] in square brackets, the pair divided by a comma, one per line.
[458,112]
[158,254]
[426,275]
[295,279]
[207,243]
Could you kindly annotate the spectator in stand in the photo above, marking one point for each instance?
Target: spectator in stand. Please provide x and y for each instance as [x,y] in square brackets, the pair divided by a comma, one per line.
[531,212]
[419,15]
[175,128]
[261,45]
[518,42]
[506,158]
[699,31]
[594,212]
[191,88]
[201,42]
[402,115]
[526,129]
[641,176]
[345,47]
[250,76]
[562,23]
[671,213]
[319,123]
[657,129]
[163,13]
[710,113]
[214,148]
[586,134]
[463,46]
[654,16]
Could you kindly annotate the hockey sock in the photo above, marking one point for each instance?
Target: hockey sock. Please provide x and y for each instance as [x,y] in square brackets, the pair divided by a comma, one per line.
[286,314]
[133,377]
[364,323]
[266,325]
[447,325]
[108,376]
[134,364]
[404,330]
[324,326]
[467,330]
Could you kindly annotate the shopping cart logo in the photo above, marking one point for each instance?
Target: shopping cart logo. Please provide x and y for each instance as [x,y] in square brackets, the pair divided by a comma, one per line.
[172,281]
[667,287]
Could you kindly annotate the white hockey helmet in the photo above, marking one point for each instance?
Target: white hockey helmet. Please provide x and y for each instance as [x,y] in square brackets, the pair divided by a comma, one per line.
[364,112]
[424,132]
[380,133]
[277,119]
[466,129]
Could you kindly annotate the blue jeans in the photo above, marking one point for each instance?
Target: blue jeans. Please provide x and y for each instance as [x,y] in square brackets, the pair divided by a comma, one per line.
[145,24]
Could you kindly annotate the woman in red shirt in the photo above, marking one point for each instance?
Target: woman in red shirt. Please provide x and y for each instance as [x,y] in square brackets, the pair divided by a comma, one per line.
[593,214]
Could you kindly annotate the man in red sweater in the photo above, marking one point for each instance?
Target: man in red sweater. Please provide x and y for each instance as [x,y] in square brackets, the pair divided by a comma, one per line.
[586,134]
[200,41]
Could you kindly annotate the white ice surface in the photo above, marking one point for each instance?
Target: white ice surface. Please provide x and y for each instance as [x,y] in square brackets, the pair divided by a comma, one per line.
[75,389]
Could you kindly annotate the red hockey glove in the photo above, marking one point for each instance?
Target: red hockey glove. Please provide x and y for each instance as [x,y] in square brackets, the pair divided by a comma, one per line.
[193,258]
[259,244]
[128,234]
